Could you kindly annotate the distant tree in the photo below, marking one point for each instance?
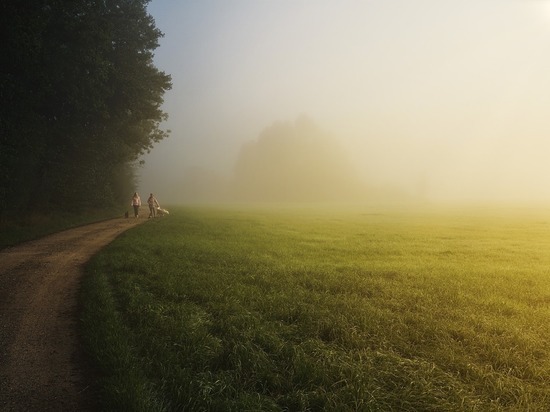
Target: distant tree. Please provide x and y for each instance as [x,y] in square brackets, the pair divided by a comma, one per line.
[81,100]
[295,161]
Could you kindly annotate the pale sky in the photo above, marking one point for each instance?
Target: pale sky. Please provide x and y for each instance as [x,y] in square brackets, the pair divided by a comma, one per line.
[447,98]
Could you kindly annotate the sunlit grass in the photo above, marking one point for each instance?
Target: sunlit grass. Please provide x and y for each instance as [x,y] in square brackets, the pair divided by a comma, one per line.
[309,309]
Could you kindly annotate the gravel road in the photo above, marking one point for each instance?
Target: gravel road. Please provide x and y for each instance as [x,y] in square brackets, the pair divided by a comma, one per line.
[42,367]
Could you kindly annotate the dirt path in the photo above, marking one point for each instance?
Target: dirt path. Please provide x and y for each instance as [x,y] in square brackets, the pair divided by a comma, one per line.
[41,364]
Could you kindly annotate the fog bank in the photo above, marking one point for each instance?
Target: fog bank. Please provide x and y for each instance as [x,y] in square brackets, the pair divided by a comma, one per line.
[430,100]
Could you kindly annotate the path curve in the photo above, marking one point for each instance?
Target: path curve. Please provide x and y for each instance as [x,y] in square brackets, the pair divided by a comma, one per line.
[41,362]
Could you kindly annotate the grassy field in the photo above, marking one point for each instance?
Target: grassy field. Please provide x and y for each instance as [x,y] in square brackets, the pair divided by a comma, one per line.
[305,309]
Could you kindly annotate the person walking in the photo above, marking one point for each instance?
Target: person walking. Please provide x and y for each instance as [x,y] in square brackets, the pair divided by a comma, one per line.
[136,203]
[153,205]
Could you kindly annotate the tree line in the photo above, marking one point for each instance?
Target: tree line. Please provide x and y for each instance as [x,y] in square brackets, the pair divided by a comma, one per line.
[81,101]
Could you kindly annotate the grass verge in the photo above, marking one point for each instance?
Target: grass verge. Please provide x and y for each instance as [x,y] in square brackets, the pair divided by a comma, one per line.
[21,229]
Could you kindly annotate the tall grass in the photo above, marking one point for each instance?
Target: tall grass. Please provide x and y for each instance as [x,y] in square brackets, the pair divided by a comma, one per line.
[214,309]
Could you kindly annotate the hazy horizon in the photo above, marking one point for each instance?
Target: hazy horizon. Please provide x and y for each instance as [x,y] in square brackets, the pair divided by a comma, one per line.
[442,101]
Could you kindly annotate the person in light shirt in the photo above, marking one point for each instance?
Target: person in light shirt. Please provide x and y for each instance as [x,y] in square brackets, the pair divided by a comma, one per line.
[153,205]
[136,203]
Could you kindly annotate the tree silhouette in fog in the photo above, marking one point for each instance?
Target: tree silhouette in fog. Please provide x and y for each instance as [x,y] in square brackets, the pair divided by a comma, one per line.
[295,161]
[80,101]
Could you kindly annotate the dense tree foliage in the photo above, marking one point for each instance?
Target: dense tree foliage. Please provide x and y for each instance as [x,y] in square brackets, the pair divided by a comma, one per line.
[81,101]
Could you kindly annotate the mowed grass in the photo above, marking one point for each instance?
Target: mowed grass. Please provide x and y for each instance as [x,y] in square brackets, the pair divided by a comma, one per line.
[310,309]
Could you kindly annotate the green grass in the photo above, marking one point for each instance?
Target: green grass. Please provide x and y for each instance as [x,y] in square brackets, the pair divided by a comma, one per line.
[226,309]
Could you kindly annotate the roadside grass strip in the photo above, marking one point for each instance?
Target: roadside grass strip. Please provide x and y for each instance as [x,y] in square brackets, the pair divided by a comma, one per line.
[310,309]
[18,229]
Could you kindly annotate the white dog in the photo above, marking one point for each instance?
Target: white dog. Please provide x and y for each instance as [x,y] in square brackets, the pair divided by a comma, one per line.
[162,212]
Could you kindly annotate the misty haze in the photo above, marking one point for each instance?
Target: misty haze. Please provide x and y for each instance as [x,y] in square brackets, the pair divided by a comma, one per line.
[292,161]
[430,101]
